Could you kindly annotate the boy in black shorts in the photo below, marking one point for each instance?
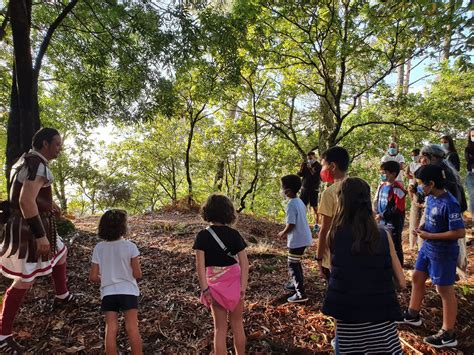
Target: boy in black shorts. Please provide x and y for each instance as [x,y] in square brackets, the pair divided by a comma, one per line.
[309,172]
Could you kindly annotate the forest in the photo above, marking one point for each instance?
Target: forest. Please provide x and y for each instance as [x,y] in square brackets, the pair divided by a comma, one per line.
[247,88]
[161,103]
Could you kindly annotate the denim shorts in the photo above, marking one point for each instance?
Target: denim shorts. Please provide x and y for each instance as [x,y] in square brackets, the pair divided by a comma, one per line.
[439,261]
[117,303]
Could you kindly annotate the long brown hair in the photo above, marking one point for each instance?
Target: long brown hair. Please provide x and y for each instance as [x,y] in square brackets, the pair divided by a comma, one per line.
[354,210]
[470,144]
[451,146]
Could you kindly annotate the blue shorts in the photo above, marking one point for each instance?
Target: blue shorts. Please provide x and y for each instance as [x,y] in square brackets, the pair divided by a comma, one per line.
[439,261]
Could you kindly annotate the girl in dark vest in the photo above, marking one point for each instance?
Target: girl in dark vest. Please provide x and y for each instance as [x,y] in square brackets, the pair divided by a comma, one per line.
[361,292]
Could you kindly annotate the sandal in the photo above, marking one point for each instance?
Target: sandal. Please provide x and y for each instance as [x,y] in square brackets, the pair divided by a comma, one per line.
[10,346]
[71,299]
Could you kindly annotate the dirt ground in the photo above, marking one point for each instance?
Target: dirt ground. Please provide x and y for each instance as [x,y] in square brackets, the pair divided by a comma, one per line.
[172,320]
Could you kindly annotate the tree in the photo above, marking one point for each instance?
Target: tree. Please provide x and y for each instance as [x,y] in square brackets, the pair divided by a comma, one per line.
[153,157]
[198,88]
[24,118]
[329,46]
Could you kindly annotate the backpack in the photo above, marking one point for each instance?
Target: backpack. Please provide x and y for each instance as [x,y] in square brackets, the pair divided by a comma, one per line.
[454,186]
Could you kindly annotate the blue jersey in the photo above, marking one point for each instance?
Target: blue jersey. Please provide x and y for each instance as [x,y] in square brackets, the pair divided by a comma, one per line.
[442,214]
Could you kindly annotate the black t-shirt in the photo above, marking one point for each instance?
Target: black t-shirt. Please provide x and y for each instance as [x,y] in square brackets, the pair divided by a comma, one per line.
[469,156]
[213,253]
[311,179]
[453,158]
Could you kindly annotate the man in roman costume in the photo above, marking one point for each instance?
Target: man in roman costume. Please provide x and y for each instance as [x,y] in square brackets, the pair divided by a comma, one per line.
[31,247]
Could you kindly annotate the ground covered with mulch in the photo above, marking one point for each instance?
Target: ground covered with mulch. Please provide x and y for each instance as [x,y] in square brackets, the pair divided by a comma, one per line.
[173,321]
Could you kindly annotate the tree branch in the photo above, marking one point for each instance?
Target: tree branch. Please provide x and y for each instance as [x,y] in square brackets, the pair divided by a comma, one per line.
[49,35]
[5,23]
[420,79]
[406,125]
[253,184]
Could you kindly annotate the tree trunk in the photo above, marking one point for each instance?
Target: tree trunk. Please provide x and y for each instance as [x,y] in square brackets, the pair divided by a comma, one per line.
[226,178]
[218,179]
[238,178]
[220,167]
[174,187]
[449,32]
[447,44]
[400,80]
[192,124]
[23,119]
[327,126]
[253,185]
[63,199]
[93,202]
[254,193]
[83,206]
[406,84]
[395,134]
[60,193]
[60,175]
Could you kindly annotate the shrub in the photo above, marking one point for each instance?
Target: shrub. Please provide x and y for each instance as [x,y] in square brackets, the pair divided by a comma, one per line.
[65,227]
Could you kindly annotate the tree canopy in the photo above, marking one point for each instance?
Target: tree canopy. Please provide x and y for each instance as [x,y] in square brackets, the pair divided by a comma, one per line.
[226,96]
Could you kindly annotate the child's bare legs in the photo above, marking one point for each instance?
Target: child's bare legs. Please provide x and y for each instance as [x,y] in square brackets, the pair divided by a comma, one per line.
[315,214]
[417,289]
[219,315]
[131,325]
[237,325]
[111,330]
[450,306]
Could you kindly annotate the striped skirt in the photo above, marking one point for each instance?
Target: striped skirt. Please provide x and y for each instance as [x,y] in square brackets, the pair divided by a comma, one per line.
[367,338]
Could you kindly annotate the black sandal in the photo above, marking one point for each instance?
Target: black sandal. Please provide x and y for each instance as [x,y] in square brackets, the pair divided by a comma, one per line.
[10,346]
[71,299]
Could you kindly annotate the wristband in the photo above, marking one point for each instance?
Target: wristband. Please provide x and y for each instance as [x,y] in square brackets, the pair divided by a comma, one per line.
[319,259]
[36,226]
[206,290]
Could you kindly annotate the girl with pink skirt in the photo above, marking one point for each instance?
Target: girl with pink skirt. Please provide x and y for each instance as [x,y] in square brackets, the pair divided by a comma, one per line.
[222,267]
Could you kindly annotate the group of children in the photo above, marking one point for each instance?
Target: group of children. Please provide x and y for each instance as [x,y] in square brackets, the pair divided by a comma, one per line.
[359,253]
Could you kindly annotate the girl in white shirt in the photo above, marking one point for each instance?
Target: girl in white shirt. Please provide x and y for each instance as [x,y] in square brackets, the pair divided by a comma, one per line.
[116,266]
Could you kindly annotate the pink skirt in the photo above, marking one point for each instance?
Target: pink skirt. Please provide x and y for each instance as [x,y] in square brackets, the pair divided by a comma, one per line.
[224,286]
